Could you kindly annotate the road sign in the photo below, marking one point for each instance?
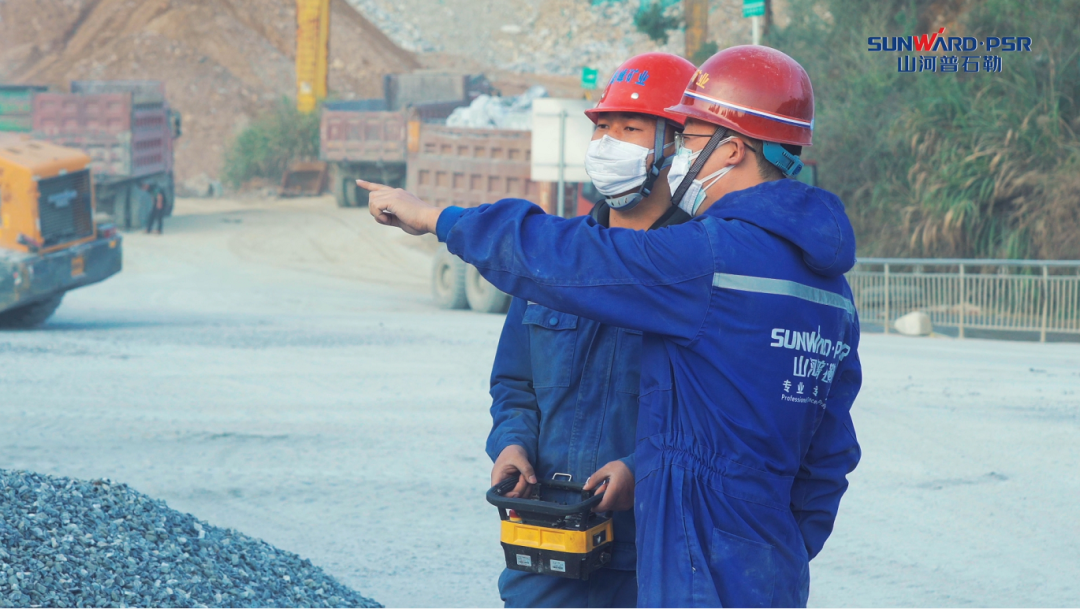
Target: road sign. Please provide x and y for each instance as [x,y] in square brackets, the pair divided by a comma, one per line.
[588,78]
[753,8]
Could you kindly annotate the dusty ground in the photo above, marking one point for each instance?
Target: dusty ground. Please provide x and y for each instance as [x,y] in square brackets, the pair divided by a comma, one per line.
[277,367]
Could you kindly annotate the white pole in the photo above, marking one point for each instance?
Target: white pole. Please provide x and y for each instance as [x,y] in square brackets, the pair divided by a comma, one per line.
[757,28]
[561,208]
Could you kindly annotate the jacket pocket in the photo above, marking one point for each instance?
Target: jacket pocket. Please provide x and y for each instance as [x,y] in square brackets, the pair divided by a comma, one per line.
[552,343]
[744,571]
[628,362]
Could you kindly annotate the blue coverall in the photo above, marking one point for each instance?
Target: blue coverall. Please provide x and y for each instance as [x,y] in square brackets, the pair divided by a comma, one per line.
[749,370]
[565,388]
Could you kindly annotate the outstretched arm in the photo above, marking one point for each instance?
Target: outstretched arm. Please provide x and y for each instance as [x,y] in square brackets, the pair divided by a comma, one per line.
[657,281]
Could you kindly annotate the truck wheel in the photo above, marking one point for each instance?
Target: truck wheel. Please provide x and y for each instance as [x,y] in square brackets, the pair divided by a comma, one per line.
[338,184]
[30,315]
[482,296]
[448,281]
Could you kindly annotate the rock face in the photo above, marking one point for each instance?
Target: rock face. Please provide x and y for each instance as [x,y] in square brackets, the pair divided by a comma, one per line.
[545,36]
[67,543]
[222,61]
[915,323]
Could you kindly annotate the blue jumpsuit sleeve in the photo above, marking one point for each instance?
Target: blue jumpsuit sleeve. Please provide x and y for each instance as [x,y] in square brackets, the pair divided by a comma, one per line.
[515,412]
[833,454]
[657,281]
[629,462]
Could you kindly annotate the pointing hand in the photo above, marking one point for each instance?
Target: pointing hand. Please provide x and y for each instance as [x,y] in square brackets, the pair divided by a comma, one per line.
[400,208]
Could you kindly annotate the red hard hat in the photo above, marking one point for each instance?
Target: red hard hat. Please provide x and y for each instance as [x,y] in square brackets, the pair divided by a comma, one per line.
[755,90]
[646,84]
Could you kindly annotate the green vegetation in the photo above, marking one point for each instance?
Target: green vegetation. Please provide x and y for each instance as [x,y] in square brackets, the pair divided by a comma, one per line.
[932,164]
[266,146]
[707,50]
[655,23]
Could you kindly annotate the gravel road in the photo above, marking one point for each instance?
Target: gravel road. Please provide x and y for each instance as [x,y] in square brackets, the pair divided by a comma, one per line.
[276,367]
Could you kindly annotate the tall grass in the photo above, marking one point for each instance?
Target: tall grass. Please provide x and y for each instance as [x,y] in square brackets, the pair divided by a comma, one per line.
[979,164]
[266,146]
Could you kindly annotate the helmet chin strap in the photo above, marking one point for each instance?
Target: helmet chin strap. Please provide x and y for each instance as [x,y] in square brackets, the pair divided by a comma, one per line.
[699,162]
[629,201]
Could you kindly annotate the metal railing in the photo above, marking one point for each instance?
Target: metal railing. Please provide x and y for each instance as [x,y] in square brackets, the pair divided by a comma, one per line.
[1015,295]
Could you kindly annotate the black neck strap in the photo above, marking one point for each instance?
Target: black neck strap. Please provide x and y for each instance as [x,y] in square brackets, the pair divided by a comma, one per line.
[695,169]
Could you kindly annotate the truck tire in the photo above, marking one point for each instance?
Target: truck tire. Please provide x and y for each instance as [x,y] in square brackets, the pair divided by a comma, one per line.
[482,296]
[354,195]
[30,315]
[338,176]
[448,281]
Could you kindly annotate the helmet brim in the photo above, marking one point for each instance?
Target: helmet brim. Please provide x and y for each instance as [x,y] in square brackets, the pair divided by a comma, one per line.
[750,126]
[594,113]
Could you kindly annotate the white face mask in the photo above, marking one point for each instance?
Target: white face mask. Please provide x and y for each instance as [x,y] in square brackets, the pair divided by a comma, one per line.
[615,166]
[695,194]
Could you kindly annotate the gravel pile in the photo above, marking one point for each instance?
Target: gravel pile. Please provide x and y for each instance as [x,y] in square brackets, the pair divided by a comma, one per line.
[68,543]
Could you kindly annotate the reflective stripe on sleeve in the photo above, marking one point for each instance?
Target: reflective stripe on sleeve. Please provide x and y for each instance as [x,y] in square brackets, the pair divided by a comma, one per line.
[782,287]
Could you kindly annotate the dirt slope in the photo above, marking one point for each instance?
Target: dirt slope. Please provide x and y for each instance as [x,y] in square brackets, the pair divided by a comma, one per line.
[222,60]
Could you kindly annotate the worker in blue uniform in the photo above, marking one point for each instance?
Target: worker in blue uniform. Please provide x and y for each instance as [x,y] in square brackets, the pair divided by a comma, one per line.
[564,388]
[750,336]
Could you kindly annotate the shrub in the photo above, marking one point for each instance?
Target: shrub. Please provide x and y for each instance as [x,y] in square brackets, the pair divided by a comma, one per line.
[707,50]
[947,164]
[266,147]
[655,23]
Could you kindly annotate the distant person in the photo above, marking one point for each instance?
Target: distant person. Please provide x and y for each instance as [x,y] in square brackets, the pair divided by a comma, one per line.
[157,207]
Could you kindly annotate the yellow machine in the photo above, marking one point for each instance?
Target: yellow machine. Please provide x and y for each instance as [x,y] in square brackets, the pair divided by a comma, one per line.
[312,51]
[540,534]
[696,14]
[49,242]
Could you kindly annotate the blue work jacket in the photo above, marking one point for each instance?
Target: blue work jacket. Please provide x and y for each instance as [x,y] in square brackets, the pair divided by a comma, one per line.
[565,388]
[749,370]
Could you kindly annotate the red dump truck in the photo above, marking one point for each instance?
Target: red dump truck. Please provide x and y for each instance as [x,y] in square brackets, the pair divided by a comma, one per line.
[127,128]
[470,167]
[444,165]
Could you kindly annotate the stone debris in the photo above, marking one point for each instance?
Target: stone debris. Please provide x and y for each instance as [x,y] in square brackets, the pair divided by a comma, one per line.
[68,543]
[487,112]
[916,323]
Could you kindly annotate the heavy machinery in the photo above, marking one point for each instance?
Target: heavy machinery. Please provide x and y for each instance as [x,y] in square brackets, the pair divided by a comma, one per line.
[49,241]
[312,53]
[127,128]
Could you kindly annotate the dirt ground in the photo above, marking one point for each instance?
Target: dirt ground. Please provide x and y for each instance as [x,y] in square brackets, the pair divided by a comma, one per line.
[278,367]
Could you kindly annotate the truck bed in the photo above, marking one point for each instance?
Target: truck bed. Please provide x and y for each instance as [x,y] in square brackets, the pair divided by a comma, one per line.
[363,137]
[123,140]
[469,167]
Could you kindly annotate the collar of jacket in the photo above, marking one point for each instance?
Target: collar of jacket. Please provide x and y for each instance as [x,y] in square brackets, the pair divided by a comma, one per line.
[812,219]
[601,212]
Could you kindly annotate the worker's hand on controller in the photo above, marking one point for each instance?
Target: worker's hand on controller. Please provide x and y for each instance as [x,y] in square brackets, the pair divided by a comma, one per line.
[513,460]
[400,208]
[617,482]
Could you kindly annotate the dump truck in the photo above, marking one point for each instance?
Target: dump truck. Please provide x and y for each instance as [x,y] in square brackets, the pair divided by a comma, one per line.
[17,107]
[412,148]
[469,167]
[368,138]
[127,128]
[49,240]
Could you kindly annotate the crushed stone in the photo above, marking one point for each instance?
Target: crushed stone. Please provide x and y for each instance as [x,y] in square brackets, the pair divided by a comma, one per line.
[68,543]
